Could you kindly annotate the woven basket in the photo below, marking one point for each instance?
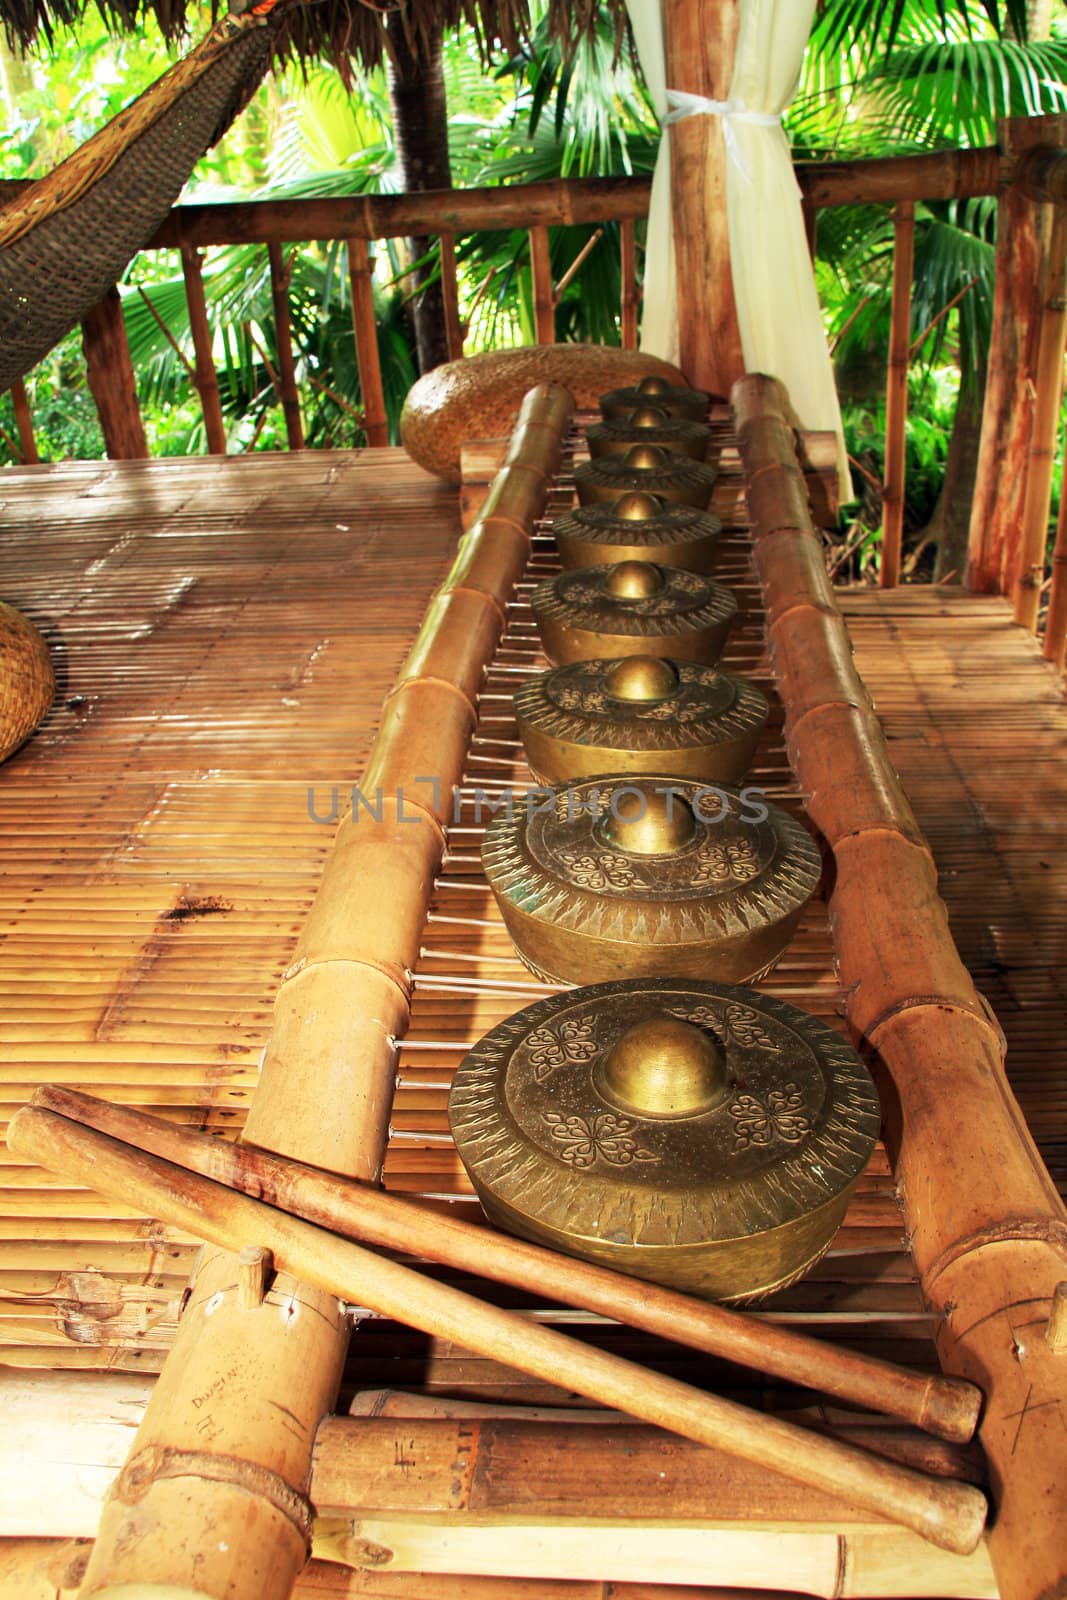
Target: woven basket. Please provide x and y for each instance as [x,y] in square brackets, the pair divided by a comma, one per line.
[27,683]
[58,270]
[479,397]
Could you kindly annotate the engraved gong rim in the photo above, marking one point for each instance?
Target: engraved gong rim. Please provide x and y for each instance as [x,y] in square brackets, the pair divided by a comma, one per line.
[686,603]
[610,476]
[691,405]
[736,880]
[600,524]
[783,1147]
[573,704]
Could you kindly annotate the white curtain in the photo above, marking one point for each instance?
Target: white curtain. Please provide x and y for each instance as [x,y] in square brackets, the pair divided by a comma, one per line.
[774,286]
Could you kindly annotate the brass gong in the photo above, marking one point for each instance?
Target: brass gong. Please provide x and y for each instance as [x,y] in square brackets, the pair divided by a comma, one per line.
[632,608]
[650,470]
[648,425]
[644,876]
[640,714]
[638,527]
[688,405]
[699,1135]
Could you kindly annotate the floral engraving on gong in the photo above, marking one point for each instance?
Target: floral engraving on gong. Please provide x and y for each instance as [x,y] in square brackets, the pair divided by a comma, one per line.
[570,1044]
[779,1114]
[734,1024]
[603,1136]
[587,700]
[602,871]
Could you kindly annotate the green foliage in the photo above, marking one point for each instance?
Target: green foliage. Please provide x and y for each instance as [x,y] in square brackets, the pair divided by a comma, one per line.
[64,417]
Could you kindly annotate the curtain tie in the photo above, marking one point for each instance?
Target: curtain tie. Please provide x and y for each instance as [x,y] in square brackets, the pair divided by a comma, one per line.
[681,104]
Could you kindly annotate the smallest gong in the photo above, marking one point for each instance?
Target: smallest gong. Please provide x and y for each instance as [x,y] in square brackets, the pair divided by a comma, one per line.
[688,405]
[634,608]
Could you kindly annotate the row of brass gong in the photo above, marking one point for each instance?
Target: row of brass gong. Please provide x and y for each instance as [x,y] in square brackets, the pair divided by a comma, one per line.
[658,1118]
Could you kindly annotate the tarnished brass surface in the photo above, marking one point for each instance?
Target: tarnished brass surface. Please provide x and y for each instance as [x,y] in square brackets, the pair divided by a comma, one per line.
[632,607]
[647,424]
[641,714]
[638,527]
[696,1134]
[650,470]
[688,405]
[644,876]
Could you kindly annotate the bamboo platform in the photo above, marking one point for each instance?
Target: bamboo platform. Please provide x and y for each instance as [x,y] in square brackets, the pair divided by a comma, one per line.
[226,633]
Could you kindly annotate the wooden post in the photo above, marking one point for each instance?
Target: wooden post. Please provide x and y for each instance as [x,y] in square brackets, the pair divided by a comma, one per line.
[207,384]
[450,296]
[896,394]
[1022,235]
[280,275]
[701,39]
[628,273]
[1056,622]
[111,381]
[365,328]
[24,423]
[1027,572]
[811,224]
[544,299]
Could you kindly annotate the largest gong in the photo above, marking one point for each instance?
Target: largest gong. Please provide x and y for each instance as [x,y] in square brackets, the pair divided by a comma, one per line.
[644,876]
[699,1135]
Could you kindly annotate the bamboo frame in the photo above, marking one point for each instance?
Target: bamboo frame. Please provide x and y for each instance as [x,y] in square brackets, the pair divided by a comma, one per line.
[454,331]
[234,1517]
[701,41]
[24,424]
[109,371]
[944,1407]
[1028,569]
[896,399]
[1022,237]
[990,1255]
[543,296]
[206,379]
[365,330]
[1055,645]
[628,251]
[280,275]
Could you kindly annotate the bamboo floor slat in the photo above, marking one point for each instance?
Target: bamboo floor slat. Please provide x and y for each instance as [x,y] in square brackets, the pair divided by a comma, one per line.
[158,860]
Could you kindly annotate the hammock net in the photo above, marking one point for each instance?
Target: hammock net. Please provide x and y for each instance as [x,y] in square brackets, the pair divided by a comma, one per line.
[66,239]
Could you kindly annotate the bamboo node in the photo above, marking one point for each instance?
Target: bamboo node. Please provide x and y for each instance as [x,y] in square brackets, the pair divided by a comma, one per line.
[1056,1327]
[254,1267]
[146,1468]
[366,1553]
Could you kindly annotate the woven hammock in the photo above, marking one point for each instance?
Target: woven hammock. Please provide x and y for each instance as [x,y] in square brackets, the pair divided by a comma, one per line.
[66,239]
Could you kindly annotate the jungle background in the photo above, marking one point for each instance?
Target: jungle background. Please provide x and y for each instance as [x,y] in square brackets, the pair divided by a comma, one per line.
[880,78]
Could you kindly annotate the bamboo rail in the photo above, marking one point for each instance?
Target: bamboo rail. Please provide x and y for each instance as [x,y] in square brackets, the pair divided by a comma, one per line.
[1055,646]
[216,1496]
[942,1406]
[207,384]
[701,41]
[991,1255]
[950,1515]
[1028,575]
[368,356]
[280,276]
[896,400]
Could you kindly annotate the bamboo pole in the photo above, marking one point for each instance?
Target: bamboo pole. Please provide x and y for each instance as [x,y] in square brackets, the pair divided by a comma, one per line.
[950,1515]
[628,262]
[544,300]
[991,1253]
[943,1406]
[450,296]
[701,40]
[1000,485]
[24,423]
[1027,573]
[207,383]
[110,375]
[280,275]
[896,397]
[1055,646]
[365,329]
[215,1495]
